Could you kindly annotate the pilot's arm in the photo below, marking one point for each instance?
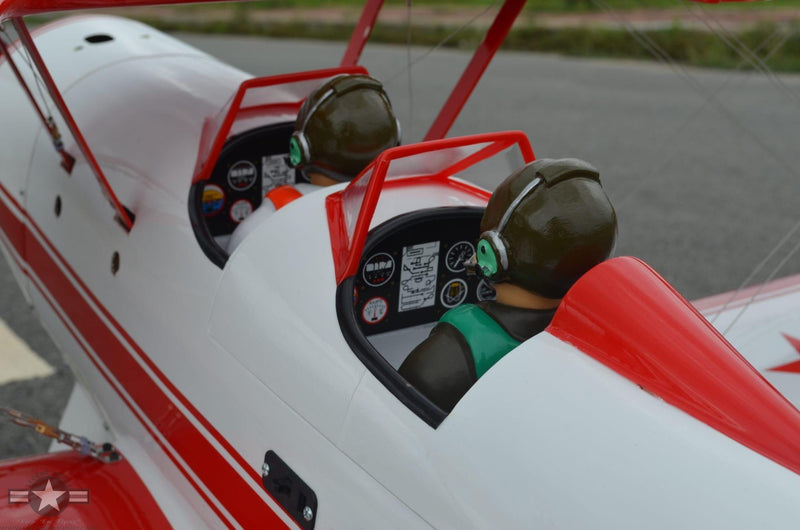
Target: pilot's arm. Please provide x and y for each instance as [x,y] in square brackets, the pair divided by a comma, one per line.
[441,367]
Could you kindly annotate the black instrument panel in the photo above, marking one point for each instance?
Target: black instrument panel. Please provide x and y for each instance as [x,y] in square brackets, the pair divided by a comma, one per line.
[250,165]
[412,270]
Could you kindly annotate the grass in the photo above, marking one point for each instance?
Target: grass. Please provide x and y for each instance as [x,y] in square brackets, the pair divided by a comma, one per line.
[535,6]
[687,46]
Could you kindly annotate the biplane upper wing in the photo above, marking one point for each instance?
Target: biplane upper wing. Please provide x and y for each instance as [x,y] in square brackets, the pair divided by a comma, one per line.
[21,8]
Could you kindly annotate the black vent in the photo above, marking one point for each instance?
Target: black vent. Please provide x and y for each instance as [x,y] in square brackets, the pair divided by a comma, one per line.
[98,38]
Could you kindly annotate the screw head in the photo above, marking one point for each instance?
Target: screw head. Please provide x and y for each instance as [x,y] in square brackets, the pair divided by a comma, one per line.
[308,513]
[264,469]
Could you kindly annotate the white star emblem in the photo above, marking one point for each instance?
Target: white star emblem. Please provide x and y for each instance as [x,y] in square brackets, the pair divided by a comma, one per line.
[49,497]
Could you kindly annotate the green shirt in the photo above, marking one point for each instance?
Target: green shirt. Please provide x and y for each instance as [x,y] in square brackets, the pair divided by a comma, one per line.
[487,340]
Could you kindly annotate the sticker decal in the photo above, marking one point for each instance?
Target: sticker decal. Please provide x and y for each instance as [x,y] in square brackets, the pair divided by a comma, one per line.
[418,276]
[213,200]
[458,255]
[453,293]
[240,210]
[242,175]
[485,292]
[275,171]
[375,310]
[378,269]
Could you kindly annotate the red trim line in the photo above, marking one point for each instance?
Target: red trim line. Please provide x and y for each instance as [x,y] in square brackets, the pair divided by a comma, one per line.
[236,494]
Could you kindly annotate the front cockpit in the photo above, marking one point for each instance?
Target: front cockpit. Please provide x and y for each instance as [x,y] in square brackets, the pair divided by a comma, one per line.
[244,154]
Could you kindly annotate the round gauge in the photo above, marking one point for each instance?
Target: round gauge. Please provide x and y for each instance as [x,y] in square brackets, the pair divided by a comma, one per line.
[242,175]
[240,210]
[453,293]
[458,254]
[378,269]
[375,310]
[485,291]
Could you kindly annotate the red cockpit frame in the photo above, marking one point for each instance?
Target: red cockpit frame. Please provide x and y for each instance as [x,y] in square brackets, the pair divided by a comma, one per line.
[216,129]
[349,233]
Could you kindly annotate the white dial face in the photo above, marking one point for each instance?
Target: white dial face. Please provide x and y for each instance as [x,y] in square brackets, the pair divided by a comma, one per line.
[240,210]
[458,254]
[375,310]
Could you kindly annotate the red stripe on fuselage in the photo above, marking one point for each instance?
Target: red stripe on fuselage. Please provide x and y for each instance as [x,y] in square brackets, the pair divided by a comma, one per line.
[19,231]
[111,381]
[219,477]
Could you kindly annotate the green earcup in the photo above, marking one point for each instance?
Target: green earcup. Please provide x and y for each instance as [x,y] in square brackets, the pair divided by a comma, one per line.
[487,260]
[295,152]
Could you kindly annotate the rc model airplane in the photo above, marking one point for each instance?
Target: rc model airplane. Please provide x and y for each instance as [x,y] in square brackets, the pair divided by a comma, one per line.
[251,380]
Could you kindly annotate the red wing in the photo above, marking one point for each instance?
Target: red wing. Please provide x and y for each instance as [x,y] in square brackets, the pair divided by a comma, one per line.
[21,8]
[76,491]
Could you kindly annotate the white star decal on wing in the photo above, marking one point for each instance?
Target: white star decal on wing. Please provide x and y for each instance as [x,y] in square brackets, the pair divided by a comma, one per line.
[49,497]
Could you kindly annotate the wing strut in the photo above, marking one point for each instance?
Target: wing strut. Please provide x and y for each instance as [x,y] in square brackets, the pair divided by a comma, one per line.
[123,217]
[67,160]
[361,32]
[472,73]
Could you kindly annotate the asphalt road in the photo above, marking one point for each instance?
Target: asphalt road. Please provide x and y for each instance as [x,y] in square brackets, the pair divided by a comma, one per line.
[701,166]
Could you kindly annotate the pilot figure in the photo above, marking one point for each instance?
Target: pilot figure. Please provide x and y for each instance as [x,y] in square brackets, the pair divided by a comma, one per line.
[545,226]
[341,127]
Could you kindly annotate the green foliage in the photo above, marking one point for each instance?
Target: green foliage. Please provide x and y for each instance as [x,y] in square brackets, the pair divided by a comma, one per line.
[686,46]
[532,6]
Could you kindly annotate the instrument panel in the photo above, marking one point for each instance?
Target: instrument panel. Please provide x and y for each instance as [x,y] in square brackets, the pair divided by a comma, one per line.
[249,166]
[412,270]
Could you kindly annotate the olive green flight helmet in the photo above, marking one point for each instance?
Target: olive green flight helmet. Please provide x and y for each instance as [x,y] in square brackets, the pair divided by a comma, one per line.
[342,126]
[546,225]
